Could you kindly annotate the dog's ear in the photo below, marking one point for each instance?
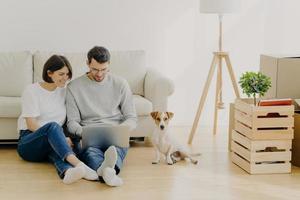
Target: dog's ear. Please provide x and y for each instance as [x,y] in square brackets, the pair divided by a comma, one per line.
[154,114]
[170,115]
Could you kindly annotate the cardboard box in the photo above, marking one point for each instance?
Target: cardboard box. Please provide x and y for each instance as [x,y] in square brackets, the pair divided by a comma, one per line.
[284,72]
[296,141]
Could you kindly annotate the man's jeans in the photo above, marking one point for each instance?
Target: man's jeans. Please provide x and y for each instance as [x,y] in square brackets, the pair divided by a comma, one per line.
[46,143]
[94,156]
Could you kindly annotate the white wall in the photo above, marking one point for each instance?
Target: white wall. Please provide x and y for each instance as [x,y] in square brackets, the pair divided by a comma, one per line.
[243,38]
[282,26]
[178,39]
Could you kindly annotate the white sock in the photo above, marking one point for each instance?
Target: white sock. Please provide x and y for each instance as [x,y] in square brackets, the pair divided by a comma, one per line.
[110,159]
[73,174]
[110,177]
[89,174]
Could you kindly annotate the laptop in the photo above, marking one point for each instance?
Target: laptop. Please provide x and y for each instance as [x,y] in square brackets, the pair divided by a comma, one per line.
[104,136]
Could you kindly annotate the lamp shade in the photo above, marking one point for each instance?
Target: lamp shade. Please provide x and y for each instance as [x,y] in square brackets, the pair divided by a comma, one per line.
[218,6]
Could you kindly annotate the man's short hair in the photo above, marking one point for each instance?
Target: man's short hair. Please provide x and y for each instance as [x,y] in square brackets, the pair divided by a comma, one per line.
[100,54]
[54,63]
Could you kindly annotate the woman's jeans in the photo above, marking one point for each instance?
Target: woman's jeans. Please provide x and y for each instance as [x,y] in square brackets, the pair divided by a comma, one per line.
[46,143]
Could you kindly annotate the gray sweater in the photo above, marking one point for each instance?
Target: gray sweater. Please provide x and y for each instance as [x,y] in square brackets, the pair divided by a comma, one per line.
[108,102]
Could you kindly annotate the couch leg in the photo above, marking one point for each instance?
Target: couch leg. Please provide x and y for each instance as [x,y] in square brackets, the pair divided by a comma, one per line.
[137,139]
[146,141]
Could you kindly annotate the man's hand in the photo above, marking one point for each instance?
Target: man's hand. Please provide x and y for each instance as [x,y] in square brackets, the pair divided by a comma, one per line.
[69,141]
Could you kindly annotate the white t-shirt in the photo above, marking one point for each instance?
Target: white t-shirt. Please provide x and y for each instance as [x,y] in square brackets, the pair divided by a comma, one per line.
[46,106]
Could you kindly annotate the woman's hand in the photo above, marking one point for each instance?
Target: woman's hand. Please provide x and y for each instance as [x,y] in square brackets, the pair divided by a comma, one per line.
[69,141]
[32,123]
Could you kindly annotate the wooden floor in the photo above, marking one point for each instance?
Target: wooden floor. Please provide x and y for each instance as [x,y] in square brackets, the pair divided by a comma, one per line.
[215,177]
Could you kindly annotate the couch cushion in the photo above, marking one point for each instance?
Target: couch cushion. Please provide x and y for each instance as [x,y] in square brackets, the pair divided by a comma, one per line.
[130,65]
[127,64]
[143,106]
[15,73]
[77,61]
[10,107]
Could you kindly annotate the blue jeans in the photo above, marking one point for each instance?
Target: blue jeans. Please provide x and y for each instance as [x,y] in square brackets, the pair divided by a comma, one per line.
[94,156]
[46,143]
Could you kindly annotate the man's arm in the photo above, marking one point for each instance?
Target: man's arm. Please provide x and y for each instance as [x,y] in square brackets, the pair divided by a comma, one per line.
[73,115]
[128,107]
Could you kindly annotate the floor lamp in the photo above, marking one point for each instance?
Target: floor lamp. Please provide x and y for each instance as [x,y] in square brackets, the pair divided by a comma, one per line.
[219,7]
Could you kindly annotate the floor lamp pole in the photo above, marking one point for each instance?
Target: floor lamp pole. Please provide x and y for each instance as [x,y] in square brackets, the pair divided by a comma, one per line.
[217,60]
[220,101]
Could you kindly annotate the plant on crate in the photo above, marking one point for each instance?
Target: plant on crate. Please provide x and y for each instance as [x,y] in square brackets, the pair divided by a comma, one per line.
[254,83]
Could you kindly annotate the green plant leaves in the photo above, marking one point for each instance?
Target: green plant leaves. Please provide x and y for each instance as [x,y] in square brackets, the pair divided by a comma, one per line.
[253,83]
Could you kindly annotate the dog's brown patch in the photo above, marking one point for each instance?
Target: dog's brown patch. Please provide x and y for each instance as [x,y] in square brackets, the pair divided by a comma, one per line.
[170,115]
[156,116]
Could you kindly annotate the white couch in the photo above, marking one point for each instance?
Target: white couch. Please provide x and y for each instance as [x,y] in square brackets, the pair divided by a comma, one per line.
[18,69]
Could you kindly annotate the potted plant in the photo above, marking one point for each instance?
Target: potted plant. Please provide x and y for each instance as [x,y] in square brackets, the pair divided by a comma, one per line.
[253,83]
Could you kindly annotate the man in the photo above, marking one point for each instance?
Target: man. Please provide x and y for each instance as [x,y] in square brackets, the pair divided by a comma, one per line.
[100,98]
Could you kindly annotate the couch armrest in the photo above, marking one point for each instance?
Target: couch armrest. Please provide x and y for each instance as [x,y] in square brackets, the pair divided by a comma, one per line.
[157,88]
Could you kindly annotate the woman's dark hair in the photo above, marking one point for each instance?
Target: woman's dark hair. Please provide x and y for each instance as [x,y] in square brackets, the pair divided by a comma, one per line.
[54,63]
[100,54]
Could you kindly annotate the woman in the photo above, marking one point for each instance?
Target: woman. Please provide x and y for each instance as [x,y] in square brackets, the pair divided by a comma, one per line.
[40,123]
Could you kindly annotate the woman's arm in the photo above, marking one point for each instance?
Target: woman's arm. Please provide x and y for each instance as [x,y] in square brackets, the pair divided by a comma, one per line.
[32,123]
[30,108]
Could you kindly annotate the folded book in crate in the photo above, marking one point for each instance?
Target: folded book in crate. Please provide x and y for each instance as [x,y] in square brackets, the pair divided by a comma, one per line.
[275,102]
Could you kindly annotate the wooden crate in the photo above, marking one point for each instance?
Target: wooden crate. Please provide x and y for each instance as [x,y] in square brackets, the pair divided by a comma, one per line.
[263,122]
[261,156]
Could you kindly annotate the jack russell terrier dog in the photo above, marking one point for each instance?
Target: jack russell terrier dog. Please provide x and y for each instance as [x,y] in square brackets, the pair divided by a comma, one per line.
[164,142]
